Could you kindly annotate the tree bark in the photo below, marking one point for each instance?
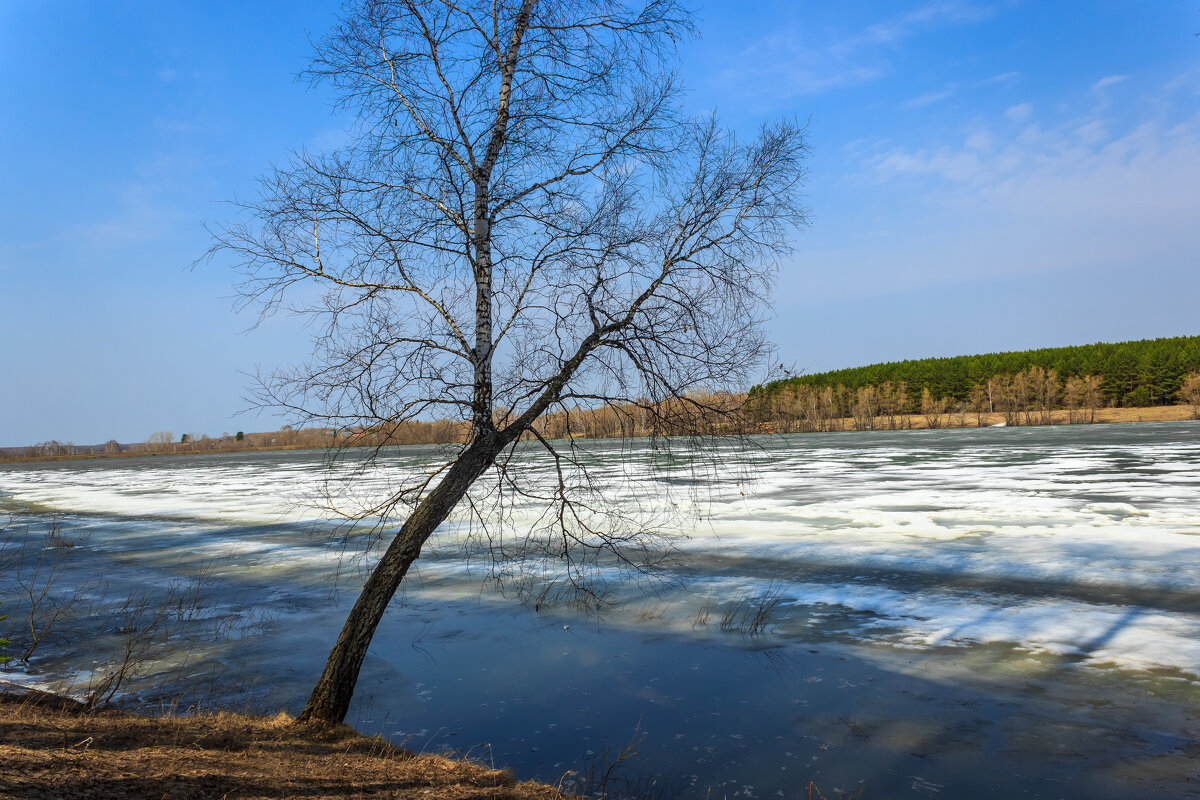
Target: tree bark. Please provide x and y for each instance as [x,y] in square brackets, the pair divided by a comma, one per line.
[330,699]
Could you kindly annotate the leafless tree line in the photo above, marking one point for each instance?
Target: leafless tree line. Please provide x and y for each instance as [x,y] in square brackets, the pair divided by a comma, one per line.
[1027,397]
[287,436]
[1189,390]
[52,448]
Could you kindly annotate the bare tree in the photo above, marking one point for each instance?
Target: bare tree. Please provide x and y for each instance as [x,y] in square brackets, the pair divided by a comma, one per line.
[1093,394]
[1189,392]
[866,407]
[1073,396]
[524,223]
[933,408]
[51,448]
[1043,393]
[979,403]
[160,439]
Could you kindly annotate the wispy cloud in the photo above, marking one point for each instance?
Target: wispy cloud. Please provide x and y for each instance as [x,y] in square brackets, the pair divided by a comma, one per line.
[783,64]
[1100,90]
[144,208]
[1000,79]
[951,89]
[176,125]
[1107,81]
[896,29]
[328,140]
[928,99]
[780,65]
[136,214]
[1019,113]
[1020,195]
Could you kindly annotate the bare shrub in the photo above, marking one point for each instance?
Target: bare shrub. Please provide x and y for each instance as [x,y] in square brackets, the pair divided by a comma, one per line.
[704,612]
[142,622]
[655,610]
[37,574]
[599,778]
[129,635]
[751,614]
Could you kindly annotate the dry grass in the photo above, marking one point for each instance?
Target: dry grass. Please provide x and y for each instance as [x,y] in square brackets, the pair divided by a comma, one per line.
[50,748]
[1059,417]
[1151,414]
[750,615]
[9,459]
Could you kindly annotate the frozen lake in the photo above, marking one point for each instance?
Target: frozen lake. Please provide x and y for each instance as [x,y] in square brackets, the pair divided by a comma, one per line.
[964,612]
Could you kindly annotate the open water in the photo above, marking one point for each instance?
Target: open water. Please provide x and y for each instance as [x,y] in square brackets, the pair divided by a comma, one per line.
[956,613]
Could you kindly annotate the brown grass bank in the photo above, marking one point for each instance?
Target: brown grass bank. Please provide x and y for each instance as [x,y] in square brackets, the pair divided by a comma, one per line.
[50,749]
[969,419]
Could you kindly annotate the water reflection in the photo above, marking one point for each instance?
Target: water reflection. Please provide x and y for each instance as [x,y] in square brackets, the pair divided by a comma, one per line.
[954,613]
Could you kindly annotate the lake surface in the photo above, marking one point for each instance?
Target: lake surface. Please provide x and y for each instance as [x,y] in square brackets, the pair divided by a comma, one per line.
[958,613]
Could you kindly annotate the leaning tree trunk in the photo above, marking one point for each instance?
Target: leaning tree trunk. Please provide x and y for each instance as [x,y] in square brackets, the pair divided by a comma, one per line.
[330,699]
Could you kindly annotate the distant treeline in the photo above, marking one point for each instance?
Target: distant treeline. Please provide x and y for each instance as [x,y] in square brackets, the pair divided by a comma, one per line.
[166,443]
[698,413]
[1148,372]
[1027,387]
[705,413]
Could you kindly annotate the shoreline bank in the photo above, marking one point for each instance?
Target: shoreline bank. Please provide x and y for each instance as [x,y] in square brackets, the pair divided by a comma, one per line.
[992,419]
[51,749]
[1101,416]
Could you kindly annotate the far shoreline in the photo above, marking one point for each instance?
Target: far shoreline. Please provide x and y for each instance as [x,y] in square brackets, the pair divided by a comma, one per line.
[1059,417]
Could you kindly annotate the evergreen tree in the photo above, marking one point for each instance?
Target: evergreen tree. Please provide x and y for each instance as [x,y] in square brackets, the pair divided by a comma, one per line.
[1146,372]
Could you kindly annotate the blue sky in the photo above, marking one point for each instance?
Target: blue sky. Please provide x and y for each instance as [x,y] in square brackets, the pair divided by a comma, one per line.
[985,176]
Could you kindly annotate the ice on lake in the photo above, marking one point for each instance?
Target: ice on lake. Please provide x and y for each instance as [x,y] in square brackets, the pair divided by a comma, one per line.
[988,611]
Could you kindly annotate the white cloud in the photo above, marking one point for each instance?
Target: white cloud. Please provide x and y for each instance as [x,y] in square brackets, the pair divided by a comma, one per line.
[1110,80]
[1092,132]
[329,140]
[928,16]
[1002,78]
[175,125]
[135,213]
[927,99]
[1100,90]
[981,141]
[782,65]
[1019,113]
[1076,195]
[1187,82]
[145,207]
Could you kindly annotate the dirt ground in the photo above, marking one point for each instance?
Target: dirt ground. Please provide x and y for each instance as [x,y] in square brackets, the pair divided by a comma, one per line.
[49,748]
